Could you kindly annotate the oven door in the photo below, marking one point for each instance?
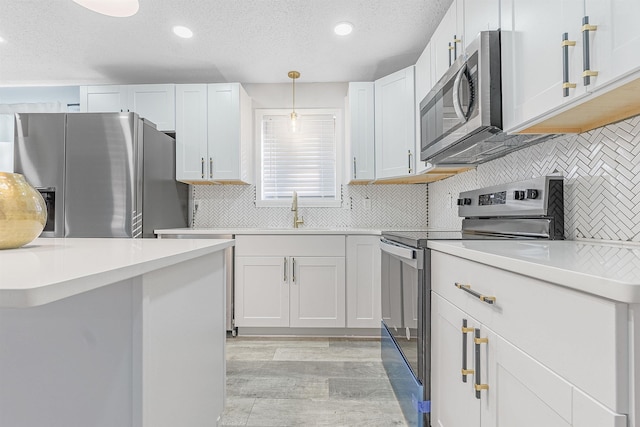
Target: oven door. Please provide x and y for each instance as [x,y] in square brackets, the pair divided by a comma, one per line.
[405,310]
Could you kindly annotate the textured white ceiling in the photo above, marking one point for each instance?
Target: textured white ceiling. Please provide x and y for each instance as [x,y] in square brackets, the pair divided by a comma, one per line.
[58,42]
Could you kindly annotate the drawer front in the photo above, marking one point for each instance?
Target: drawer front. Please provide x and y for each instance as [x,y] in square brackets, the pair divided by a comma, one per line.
[287,245]
[580,337]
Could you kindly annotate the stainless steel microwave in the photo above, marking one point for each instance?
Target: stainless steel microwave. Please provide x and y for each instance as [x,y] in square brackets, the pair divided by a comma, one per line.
[461,117]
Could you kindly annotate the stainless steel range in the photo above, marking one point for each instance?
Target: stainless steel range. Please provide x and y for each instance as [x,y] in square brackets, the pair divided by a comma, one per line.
[531,209]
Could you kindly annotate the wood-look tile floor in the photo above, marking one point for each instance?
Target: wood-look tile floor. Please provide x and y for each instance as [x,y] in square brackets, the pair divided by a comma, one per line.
[308,382]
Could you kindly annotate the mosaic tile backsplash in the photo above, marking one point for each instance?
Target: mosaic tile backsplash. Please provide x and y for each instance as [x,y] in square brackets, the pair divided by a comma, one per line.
[392,207]
[602,181]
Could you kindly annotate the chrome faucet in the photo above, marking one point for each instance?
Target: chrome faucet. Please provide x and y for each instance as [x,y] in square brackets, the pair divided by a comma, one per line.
[294,207]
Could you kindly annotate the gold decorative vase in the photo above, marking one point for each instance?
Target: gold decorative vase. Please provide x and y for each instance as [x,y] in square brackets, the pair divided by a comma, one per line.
[23,213]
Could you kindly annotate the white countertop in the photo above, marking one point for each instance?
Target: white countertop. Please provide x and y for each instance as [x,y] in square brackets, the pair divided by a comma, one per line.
[608,270]
[301,230]
[47,270]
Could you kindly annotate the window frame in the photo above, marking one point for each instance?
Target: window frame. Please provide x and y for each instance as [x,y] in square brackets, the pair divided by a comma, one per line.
[339,145]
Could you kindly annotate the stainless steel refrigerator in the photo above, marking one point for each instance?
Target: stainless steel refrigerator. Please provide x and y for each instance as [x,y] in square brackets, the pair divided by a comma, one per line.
[101,174]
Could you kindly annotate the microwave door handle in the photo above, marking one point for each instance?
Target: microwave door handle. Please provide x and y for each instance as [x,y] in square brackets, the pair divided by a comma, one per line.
[456,94]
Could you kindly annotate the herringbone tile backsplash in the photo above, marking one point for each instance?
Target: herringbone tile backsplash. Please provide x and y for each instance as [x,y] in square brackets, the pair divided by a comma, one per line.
[602,184]
[392,207]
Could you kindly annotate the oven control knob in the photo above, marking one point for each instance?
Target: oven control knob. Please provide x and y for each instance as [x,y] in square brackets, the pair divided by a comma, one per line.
[464,202]
[532,194]
[518,195]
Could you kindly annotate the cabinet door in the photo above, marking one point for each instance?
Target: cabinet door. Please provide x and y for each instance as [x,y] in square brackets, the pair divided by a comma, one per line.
[191,133]
[615,43]
[395,124]
[453,399]
[317,292]
[360,132]
[224,130]
[480,15]
[156,103]
[423,84]
[262,291]
[103,99]
[532,57]
[446,42]
[363,282]
[522,391]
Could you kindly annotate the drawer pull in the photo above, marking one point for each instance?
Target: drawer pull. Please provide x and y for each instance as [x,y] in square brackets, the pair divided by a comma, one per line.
[478,386]
[465,330]
[483,298]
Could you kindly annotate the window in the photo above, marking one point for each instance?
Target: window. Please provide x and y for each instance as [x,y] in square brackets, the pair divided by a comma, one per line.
[301,157]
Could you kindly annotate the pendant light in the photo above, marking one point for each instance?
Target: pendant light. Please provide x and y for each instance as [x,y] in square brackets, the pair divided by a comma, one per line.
[116,8]
[293,75]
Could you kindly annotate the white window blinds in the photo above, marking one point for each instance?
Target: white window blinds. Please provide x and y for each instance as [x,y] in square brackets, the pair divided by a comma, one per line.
[300,158]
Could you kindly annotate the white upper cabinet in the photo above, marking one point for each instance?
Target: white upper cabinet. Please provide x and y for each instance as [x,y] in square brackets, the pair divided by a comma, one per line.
[480,15]
[360,128]
[533,68]
[395,124]
[229,132]
[423,84]
[155,103]
[614,44]
[213,133]
[191,133]
[545,79]
[446,42]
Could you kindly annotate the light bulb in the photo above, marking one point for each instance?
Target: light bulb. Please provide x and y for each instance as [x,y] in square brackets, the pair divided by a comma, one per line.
[116,8]
[343,29]
[183,32]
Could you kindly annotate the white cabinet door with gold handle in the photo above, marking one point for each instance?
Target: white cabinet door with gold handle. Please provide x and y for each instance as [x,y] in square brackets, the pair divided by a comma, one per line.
[454,400]
[533,58]
[613,40]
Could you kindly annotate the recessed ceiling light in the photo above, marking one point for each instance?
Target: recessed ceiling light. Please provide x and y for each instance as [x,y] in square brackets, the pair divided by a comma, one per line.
[117,8]
[183,32]
[343,28]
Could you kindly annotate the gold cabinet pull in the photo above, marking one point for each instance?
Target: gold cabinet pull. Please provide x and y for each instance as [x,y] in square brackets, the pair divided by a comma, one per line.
[484,298]
[566,85]
[586,52]
[465,330]
[478,386]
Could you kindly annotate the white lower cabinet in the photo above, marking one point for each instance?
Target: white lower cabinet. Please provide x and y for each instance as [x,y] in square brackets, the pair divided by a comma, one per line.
[317,294]
[261,291]
[363,282]
[513,362]
[290,281]
[449,392]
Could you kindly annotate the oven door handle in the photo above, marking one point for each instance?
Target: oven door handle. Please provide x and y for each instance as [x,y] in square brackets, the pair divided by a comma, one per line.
[406,254]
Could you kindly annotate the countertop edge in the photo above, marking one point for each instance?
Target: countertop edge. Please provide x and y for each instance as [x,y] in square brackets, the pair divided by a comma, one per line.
[267,231]
[36,296]
[595,285]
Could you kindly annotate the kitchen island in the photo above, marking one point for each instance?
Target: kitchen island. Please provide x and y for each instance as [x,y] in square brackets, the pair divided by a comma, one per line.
[105,332]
